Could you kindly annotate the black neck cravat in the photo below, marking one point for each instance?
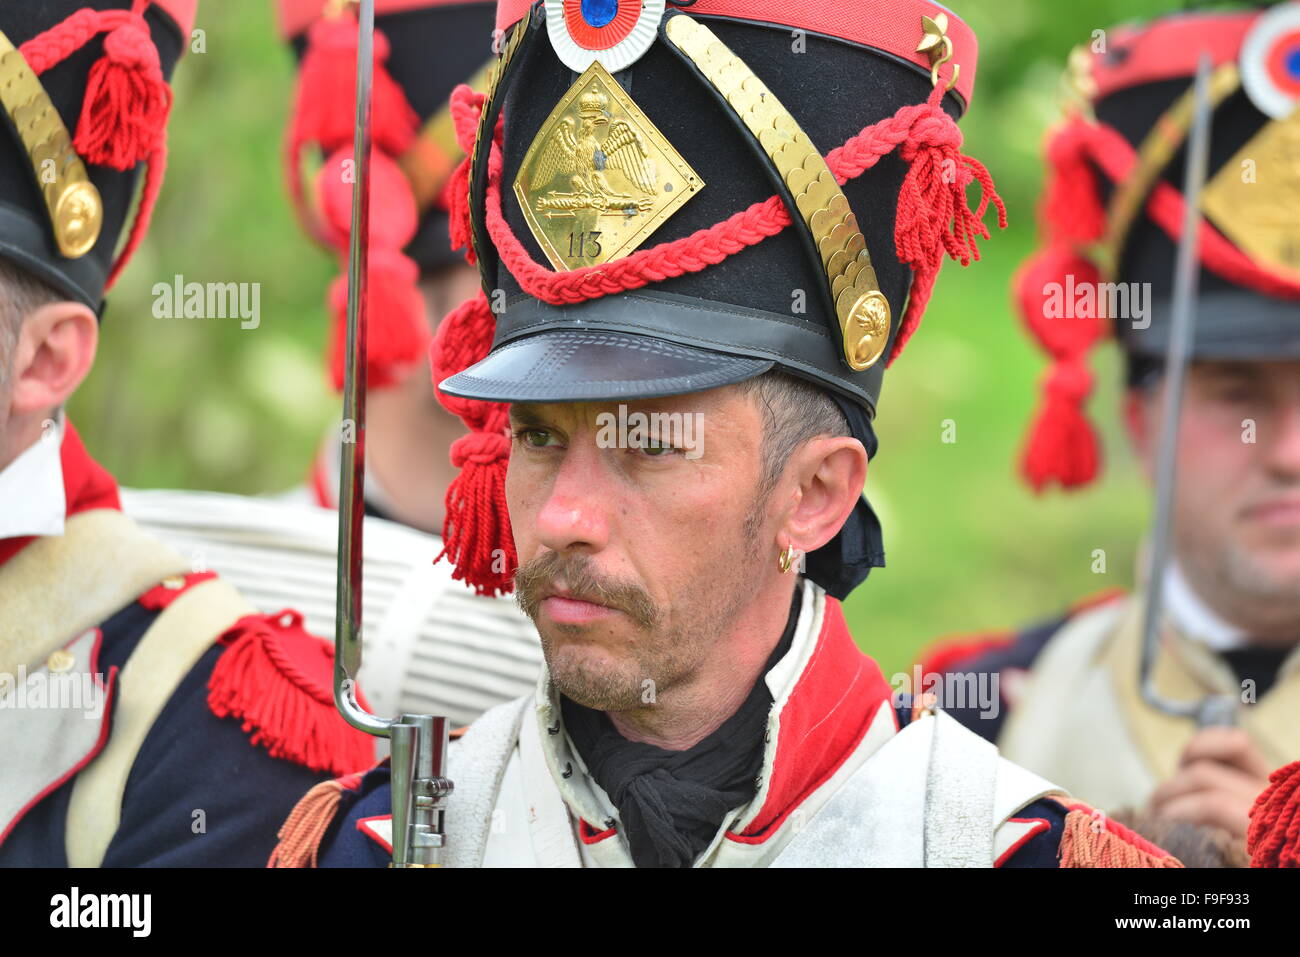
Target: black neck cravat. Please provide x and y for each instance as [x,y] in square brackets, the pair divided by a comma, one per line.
[672,802]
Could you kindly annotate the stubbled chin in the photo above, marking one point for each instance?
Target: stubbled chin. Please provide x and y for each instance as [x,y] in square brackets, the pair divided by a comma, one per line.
[591,675]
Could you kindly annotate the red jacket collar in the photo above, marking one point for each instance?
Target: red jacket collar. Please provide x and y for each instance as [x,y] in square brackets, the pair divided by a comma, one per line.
[86,485]
[826,716]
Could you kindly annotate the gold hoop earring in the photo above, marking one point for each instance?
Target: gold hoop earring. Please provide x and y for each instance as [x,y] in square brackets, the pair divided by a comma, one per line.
[785,561]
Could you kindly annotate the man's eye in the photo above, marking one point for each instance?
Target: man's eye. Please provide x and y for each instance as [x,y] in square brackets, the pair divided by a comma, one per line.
[656,451]
[535,438]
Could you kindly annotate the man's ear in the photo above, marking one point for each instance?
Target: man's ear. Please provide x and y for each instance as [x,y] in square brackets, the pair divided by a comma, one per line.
[1140,426]
[831,473]
[56,348]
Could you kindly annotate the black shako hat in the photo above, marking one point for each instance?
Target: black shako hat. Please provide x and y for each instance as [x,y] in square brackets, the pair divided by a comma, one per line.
[660,212]
[423,49]
[1113,211]
[85,96]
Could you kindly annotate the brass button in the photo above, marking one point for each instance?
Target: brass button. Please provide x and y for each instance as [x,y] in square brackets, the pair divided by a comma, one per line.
[60,661]
[174,582]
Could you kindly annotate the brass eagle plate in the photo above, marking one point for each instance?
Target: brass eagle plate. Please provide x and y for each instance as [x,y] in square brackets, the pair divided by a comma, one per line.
[599,177]
[1254,199]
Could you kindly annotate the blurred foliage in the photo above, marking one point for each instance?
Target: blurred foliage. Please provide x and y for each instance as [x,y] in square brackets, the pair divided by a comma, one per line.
[206,404]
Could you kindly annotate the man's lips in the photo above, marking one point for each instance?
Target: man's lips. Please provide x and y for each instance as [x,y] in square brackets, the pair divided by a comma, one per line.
[1281,511]
[567,610]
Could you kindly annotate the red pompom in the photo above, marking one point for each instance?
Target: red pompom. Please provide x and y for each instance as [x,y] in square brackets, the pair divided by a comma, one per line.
[397,331]
[1273,838]
[124,112]
[1048,288]
[394,218]
[463,338]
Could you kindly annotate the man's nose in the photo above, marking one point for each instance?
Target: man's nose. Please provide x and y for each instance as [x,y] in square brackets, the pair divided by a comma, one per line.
[574,515]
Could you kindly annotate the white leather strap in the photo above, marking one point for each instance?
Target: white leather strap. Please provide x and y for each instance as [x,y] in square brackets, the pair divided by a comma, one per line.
[178,637]
[959,790]
[58,586]
[475,765]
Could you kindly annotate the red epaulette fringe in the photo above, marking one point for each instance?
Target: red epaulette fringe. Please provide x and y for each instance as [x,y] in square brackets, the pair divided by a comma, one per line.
[278,679]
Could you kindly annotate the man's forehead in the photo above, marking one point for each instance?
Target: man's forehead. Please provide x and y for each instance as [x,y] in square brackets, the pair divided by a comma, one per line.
[727,400]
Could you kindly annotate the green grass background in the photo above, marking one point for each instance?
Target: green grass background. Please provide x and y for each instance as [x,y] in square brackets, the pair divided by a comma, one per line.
[204,404]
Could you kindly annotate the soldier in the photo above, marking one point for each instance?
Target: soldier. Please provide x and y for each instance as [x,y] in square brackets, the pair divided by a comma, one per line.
[423,49]
[436,646]
[1071,704]
[689,431]
[141,703]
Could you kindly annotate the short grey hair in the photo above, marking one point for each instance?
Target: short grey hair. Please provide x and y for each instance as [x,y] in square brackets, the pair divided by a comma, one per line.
[795,412]
[21,293]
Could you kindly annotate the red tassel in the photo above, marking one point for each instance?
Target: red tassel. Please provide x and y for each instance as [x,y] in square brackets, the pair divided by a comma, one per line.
[476,532]
[278,679]
[1071,208]
[1062,444]
[124,112]
[397,332]
[1273,838]
[932,216]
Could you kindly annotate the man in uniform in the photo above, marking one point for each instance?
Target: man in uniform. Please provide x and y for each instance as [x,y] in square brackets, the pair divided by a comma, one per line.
[692,423]
[147,715]
[1071,704]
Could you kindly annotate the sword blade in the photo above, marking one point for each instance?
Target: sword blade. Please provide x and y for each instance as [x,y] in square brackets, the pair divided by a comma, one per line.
[1178,354]
[352,475]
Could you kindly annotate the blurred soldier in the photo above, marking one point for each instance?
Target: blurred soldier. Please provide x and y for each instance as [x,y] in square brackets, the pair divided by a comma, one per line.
[435,645]
[692,423]
[423,49]
[124,676]
[464,653]
[1071,705]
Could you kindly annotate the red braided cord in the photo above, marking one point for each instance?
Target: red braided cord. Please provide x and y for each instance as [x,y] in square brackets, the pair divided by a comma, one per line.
[1116,158]
[921,129]
[60,41]
[155,169]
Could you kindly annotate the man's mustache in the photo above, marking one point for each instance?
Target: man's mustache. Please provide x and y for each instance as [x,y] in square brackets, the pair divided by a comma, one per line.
[537,580]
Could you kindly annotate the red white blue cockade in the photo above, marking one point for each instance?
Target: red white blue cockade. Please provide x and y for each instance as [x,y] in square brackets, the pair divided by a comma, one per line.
[614,32]
[1270,61]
